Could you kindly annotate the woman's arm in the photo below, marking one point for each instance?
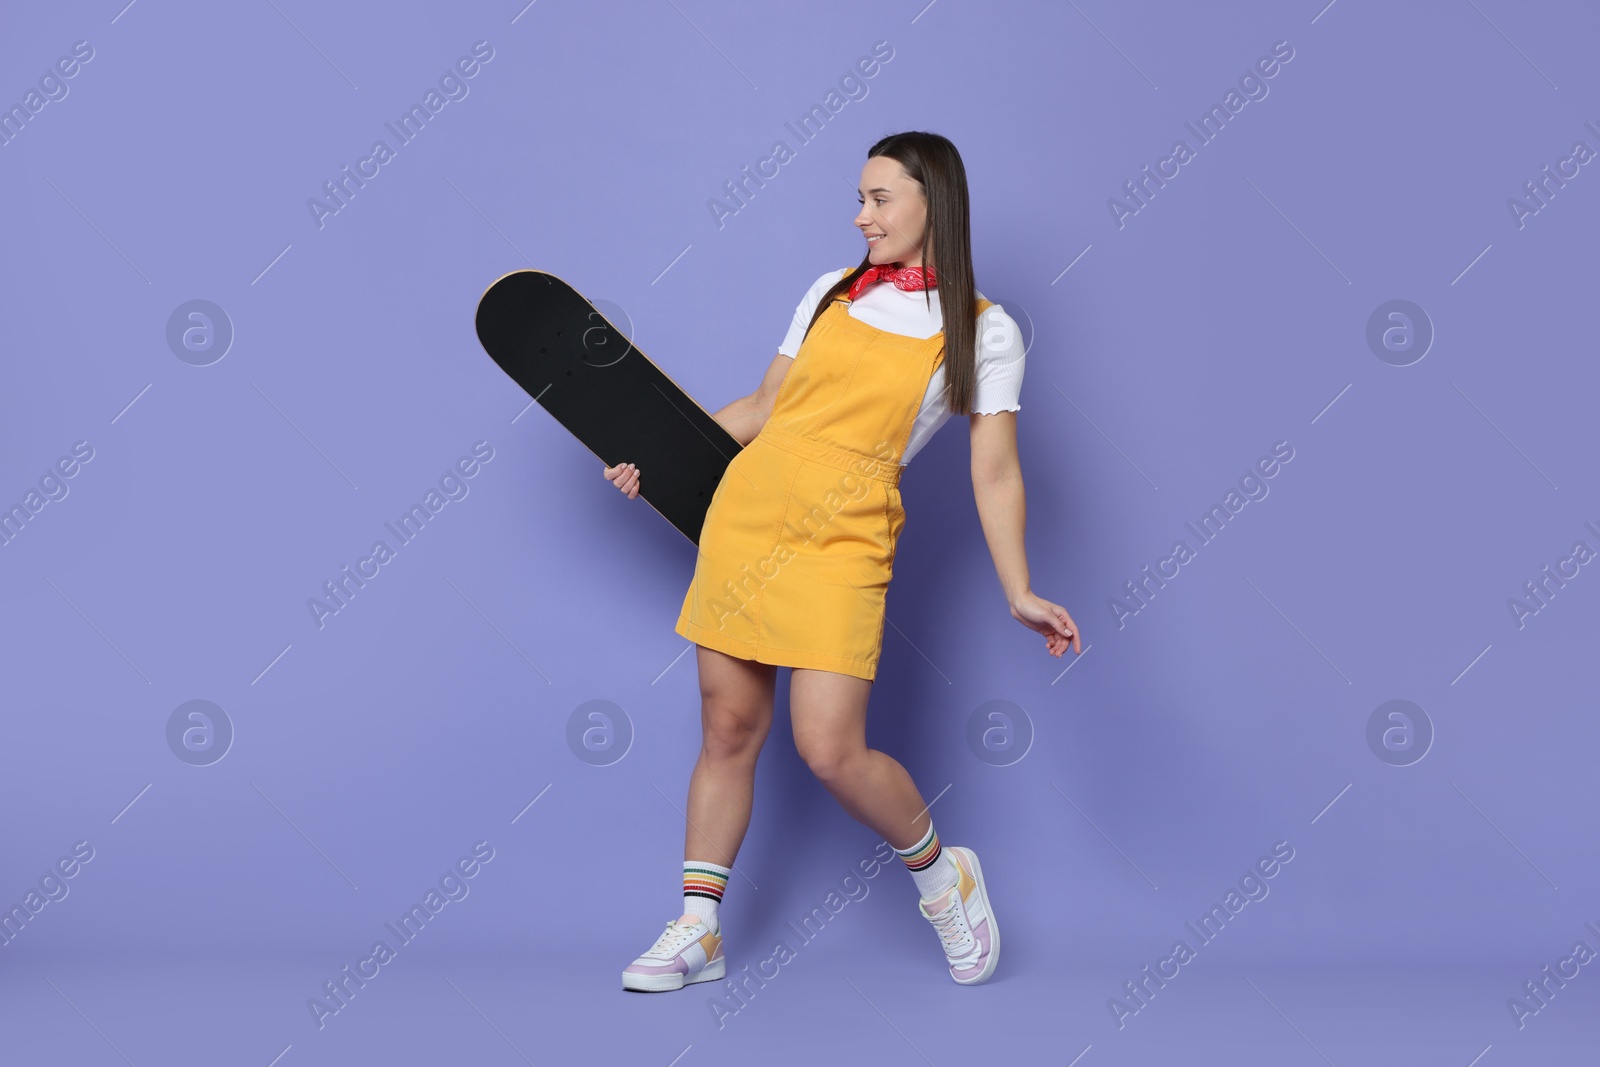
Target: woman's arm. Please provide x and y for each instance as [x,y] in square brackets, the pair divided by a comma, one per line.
[1003,510]
[1002,504]
[744,417]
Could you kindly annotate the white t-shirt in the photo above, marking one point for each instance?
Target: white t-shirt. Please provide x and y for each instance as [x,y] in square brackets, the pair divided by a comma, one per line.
[910,312]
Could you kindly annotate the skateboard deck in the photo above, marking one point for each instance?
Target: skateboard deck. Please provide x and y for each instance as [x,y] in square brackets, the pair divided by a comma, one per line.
[584,371]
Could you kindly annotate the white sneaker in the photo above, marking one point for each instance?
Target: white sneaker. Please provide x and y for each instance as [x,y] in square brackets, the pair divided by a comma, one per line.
[682,955]
[964,920]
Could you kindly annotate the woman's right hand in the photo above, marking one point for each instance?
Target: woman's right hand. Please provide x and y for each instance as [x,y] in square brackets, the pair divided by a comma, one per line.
[625,476]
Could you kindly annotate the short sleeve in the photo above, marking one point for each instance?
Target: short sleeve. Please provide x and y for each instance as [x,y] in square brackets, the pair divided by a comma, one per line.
[802,314]
[1001,356]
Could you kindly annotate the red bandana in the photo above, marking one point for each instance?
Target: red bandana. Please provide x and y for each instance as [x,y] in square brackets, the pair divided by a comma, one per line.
[908,278]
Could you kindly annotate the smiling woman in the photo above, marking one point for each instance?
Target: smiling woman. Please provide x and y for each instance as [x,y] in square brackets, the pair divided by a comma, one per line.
[873,369]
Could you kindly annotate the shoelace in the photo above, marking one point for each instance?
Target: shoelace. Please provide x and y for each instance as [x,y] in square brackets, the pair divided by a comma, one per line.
[951,922]
[671,939]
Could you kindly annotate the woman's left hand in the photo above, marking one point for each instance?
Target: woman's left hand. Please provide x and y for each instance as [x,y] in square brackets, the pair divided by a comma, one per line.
[1052,620]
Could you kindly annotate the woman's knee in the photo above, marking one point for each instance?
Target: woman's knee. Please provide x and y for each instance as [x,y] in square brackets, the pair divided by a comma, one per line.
[732,730]
[828,713]
[735,704]
[829,757]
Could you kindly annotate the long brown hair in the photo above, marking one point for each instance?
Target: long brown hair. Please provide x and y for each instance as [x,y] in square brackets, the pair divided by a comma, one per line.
[933,163]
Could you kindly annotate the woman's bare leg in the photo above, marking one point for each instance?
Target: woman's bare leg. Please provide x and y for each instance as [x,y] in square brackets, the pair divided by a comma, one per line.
[829,714]
[735,716]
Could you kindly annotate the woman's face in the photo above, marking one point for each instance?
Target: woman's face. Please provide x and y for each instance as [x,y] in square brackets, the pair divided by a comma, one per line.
[892,205]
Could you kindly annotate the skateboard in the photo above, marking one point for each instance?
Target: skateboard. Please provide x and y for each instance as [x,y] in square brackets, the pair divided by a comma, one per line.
[583,370]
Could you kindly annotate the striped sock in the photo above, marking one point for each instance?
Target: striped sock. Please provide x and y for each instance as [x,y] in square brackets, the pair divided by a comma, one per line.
[927,863]
[703,883]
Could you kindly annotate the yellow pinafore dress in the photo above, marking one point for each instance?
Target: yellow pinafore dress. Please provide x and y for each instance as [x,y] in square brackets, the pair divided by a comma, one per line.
[798,543]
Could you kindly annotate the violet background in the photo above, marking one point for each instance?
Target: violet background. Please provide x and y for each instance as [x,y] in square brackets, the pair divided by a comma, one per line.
[432,712]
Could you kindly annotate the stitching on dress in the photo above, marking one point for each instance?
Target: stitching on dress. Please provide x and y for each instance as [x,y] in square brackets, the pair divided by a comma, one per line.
[888,528]
[825,656]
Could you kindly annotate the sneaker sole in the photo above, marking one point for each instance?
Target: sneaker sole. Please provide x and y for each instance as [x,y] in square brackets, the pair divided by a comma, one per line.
[994,930]
[665,983]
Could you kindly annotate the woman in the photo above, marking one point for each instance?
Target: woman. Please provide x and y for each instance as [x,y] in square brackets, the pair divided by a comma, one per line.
[798,544]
